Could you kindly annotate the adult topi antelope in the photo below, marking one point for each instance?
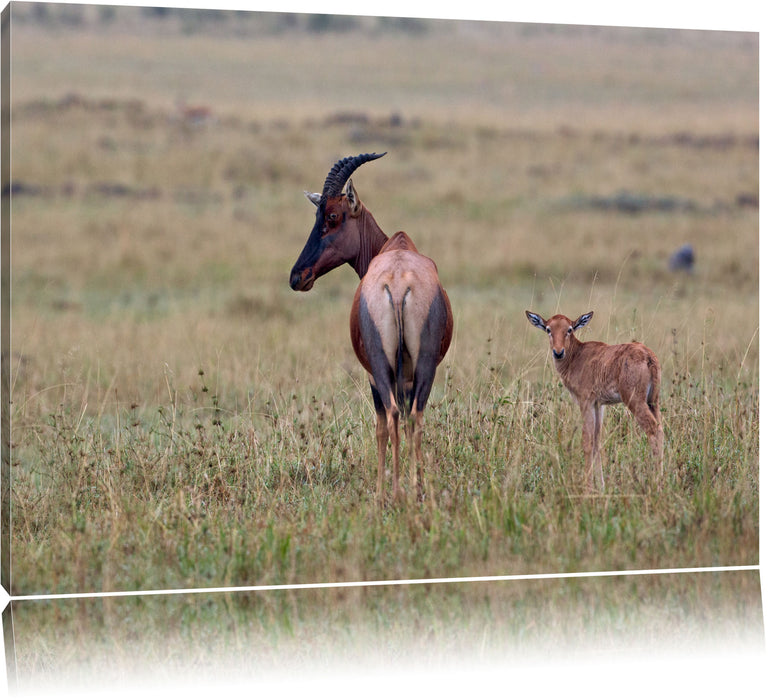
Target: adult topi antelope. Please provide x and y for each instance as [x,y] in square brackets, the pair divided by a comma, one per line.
[598,374]
[401,322]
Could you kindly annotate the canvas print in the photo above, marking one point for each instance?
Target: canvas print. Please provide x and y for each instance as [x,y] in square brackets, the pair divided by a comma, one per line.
[280,288]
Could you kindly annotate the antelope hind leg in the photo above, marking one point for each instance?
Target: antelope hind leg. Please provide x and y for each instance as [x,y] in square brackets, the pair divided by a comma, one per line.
[381,430]
[656,443]
[650,423]
[415,438]
[382,447]
[393,434]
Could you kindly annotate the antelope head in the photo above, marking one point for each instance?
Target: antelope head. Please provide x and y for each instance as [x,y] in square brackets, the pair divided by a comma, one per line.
[335,238]
[560,330]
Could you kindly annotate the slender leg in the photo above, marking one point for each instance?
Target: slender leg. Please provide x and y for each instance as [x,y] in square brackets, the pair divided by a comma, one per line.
[657,441]
[393,431]
[657,449]
[425,359]
[381,380]
[599,419]
[382,442]
[415,438]
[588,441]
[653,402]
[649,420]
[654,431]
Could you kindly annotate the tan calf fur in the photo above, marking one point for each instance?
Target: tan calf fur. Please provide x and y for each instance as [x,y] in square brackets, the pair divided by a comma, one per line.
[598,374]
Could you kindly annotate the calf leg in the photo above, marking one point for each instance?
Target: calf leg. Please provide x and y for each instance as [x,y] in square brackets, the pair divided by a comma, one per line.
[653,401]
[656,443]
[657,440]
[649,419]
[588,442]
[598,410]
[654,431]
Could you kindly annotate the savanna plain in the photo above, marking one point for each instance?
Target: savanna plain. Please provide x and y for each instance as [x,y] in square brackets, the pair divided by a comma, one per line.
[181,419]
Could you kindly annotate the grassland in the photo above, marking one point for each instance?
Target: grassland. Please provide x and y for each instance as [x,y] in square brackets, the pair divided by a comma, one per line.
[181,418]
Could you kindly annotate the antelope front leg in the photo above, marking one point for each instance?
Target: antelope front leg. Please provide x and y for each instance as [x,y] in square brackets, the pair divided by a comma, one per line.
[599,419]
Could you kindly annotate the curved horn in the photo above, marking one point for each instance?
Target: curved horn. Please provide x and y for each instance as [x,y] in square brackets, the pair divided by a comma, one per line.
[343,169]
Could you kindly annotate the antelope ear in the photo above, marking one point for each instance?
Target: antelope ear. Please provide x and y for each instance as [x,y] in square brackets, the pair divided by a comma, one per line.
[314,197]
[582,321]
[353,201]
[536,320]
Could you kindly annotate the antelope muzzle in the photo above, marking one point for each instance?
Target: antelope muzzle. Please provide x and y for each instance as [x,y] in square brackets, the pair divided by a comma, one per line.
[302,280]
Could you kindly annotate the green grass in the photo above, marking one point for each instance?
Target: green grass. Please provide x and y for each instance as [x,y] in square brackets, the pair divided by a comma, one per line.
[215,485]
[181,418]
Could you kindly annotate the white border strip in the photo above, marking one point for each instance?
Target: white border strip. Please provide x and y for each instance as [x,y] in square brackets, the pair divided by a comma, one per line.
[364,584]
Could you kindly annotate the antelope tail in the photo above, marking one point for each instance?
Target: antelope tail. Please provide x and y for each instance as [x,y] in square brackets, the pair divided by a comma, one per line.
[401,397]
[398,378]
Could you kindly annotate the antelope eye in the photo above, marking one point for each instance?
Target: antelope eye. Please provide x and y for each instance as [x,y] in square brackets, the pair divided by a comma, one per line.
[568,332]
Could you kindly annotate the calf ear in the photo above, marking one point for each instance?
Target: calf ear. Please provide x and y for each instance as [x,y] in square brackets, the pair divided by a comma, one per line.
[536,320]
[353,201]
[314,197]
[582,321]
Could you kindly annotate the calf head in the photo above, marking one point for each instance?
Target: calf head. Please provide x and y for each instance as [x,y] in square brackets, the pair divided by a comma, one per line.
[560,330]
